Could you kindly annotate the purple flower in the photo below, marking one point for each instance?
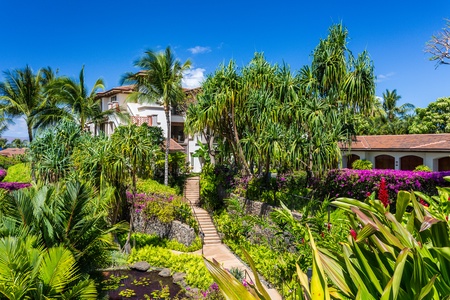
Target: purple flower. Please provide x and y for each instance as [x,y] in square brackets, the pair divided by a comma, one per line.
[12,186]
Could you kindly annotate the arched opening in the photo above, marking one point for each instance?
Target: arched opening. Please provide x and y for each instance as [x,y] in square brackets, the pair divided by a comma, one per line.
[444,164]
[410,162]
[384,162]
[350,159]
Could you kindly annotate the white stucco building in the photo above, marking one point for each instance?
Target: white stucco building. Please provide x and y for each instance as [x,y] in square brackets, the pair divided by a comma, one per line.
[152,114]
[400,152]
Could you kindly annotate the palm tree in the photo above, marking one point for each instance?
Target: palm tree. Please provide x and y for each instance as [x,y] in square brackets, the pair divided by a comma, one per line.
[21,94]
[390,106]
[75,102]
[159,81]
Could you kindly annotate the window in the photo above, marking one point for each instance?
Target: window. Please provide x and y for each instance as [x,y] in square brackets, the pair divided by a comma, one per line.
[113,98]
[154,120]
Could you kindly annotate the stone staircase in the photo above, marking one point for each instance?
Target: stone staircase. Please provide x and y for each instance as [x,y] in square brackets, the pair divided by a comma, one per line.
[192,190]
[206,225]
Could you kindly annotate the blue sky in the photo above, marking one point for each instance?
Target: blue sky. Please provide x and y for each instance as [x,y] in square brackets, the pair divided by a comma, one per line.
[107,36]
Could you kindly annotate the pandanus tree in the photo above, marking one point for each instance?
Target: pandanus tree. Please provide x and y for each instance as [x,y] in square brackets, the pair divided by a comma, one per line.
[132,148]
[159,81]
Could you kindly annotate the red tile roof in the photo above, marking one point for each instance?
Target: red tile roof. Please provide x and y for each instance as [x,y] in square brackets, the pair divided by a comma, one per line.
[12,151]
[407,142]
[174,146]
[126,89]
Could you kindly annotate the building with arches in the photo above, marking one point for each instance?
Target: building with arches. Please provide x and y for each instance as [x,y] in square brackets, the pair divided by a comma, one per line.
[400,152]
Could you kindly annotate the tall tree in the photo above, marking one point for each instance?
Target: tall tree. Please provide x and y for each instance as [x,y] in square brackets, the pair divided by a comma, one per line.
[159,81]
[435,118]
[439,46]
[75,102]
[390,99]
[21,94]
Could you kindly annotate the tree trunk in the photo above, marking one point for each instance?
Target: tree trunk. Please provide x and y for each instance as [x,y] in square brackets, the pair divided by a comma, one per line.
[166,158]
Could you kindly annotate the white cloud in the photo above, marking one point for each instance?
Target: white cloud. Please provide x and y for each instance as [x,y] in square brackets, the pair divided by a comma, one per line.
[199,50]
[193,78]
[384,77]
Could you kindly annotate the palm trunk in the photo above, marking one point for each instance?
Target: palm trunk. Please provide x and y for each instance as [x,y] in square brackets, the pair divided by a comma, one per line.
[166,158]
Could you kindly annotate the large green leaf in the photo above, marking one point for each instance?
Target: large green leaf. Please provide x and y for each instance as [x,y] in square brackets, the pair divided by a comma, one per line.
[230,287]
[402,202]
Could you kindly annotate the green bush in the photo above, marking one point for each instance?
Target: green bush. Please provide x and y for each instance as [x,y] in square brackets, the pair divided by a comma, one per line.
[150,186]
[6,162]
[19,173]
[139,240]
[196,273]
[422,168]
[362,164]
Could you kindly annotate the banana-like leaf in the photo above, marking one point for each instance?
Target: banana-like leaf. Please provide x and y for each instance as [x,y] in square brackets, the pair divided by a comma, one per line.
[428,221]
[230,287]
[366,231]
[392,289]
[348,203]
[428,288]
[402,202]
[260,290]
[304,283]
[319,286]
[367,268]
[335,271]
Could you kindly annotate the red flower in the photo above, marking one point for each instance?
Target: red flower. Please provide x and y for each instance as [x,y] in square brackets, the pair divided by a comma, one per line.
[329,226]
[421,201]
[383,193]
[353,233]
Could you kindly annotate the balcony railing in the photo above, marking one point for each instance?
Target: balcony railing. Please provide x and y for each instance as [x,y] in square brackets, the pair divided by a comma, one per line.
[141,120]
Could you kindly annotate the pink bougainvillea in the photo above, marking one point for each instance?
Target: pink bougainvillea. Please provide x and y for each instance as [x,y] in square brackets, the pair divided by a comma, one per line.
[383,194]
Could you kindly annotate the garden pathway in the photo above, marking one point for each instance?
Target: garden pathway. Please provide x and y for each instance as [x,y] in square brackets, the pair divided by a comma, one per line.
[213,247]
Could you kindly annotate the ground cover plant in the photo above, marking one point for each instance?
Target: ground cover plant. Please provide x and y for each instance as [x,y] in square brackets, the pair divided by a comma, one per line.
[192,264]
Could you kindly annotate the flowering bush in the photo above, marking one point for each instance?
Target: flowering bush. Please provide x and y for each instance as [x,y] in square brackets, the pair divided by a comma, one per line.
[2,174]
[359,184]
[12,186]
[164,207]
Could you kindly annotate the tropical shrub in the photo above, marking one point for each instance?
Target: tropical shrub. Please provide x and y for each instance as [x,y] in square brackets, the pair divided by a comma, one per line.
[150,186]
[51,151]
[164,207]
[214,180]
[362,164]
[69,215]
[20,172]
[6,162]
[359,184]
[196,273]
[12,186]
[30,271]
[405,255]
[140,240]
[422,168]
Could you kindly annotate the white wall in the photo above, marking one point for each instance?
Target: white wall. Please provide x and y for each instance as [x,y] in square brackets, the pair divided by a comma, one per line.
[430,159]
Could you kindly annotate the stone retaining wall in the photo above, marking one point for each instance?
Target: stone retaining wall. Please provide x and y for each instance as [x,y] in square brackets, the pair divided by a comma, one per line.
[174,230]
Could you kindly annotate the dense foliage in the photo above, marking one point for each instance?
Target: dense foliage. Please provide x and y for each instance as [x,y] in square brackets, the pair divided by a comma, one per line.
[262,117]
[196,273]
[359,184]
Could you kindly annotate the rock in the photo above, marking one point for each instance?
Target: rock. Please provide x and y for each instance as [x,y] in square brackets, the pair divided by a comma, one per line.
[142,266]
[178,277]
[164,273]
